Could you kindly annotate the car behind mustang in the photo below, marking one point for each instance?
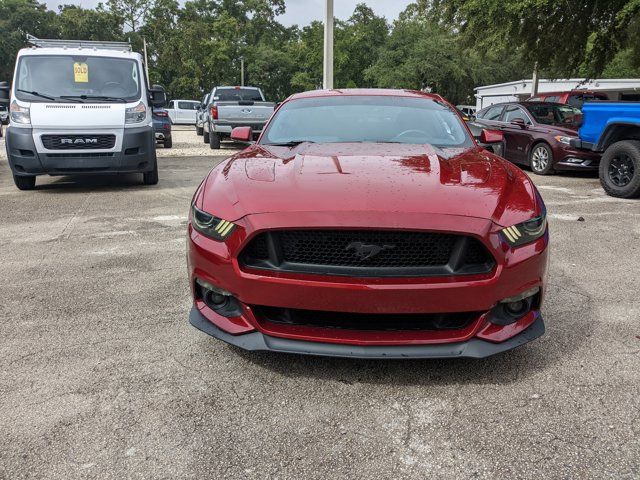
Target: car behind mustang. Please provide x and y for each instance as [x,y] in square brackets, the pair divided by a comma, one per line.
[368,223]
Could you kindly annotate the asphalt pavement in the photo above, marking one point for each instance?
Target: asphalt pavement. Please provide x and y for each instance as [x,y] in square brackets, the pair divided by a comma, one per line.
[103,377]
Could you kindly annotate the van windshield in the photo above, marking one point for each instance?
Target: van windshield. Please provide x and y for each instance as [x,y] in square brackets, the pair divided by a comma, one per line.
[85,78]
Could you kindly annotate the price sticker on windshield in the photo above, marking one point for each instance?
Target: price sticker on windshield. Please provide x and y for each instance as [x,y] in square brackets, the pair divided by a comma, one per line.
[80,72]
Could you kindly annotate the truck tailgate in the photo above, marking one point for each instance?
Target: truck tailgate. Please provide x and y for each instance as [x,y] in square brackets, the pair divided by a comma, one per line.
[250,112]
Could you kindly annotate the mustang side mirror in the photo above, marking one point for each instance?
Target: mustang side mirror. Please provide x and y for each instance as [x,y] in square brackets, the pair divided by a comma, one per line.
[242,134]
[4,92]
[519,122]
[491,136]
[157,96]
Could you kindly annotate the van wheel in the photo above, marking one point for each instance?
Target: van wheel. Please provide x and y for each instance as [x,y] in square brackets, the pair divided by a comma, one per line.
[620,169]
[199,131]
[214,141]
[151,178]
[541,159]
[24,183]
[205,137]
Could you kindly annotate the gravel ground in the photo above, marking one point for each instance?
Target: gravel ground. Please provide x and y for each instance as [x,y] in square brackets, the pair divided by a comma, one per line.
[187,144]
[103,377]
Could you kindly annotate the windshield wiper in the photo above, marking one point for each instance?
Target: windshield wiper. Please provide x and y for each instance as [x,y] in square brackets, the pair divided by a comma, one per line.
[36,94]
[292,143]
[93,97]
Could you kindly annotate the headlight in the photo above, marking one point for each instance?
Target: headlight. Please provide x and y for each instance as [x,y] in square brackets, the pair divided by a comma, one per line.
[565,140]
[19,114]
[525,232]
[135,114]
[211,226]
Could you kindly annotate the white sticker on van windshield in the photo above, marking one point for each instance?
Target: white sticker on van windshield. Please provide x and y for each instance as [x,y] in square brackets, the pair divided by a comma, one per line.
[80,72]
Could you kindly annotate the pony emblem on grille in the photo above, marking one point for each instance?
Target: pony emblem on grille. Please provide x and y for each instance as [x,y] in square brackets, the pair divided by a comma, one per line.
[364,251]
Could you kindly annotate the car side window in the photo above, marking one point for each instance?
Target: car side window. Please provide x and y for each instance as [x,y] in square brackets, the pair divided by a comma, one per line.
[170,104]
[492,113]
[512,112]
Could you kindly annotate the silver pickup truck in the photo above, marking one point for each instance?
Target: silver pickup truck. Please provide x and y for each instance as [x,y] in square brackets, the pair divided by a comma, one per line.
[231,107]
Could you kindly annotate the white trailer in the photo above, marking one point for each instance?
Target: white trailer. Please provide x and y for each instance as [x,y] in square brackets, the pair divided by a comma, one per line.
[616,89]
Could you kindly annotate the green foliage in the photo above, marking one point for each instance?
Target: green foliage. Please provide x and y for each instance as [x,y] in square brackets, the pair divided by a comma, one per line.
[422,55]
[83,24]
[623,65]
[17,18]
[561,36]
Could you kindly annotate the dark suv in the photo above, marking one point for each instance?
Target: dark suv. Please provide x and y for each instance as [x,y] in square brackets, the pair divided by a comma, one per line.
[539,134]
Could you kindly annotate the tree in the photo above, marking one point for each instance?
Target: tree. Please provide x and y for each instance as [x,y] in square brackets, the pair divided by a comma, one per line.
[358,44]
[77,23]
[562,36]
[132,12]
[17,18]
[421,54]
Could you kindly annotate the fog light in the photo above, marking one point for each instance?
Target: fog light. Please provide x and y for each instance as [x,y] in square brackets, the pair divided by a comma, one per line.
[574,160]
[516,309]
[512,309]
[217,299]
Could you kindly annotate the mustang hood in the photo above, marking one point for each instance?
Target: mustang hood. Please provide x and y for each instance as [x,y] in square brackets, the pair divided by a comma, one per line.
[368,177]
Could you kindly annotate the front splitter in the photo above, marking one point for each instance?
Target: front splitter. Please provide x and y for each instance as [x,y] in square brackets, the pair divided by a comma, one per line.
[474,348]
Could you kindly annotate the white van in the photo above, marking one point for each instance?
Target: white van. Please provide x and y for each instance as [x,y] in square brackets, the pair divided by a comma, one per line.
[183,112]
[80,107]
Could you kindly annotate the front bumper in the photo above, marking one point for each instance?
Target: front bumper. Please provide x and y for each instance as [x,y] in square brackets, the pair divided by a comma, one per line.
[578,160]
[137,155]
[516,271]
[473,348]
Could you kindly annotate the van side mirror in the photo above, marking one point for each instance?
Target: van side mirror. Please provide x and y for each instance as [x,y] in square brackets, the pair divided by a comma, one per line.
[157,96]
[5,92]
[242,134]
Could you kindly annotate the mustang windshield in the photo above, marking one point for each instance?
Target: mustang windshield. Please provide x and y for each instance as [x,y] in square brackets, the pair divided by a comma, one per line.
[369,119]
[84,78]
[555,114]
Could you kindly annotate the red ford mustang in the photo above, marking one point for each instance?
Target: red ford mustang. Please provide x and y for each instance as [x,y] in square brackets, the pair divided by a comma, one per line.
[368,223]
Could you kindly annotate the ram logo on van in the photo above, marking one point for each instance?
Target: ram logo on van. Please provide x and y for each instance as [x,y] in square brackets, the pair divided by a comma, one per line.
[78,141]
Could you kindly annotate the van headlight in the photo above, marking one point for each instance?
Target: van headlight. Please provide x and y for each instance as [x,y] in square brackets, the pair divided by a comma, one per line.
[211,226]
[20,114]
[526,232]
[135,114]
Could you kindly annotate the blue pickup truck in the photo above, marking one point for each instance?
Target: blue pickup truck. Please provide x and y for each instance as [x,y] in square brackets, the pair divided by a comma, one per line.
[613,128]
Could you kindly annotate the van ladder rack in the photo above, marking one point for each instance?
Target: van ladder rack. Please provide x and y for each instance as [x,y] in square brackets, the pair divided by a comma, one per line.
[90,44]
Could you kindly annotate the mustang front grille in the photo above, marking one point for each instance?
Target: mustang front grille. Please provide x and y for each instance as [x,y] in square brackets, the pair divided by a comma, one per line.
[367,253]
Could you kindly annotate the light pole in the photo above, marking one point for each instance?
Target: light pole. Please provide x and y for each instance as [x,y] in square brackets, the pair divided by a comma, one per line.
[242,71]
[327,80]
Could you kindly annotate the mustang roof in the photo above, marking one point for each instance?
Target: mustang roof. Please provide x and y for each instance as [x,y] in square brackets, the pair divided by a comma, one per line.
[382,92]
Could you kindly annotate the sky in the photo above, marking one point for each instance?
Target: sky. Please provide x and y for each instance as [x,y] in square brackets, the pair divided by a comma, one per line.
[300,12]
